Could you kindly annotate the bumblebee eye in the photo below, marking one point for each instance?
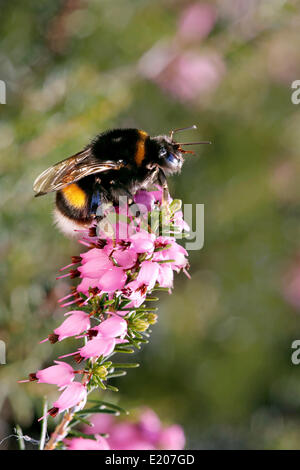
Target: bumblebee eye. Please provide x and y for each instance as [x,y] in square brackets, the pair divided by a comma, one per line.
[172,159]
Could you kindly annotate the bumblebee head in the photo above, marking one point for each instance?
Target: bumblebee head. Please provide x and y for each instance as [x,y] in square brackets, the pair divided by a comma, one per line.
[170,154]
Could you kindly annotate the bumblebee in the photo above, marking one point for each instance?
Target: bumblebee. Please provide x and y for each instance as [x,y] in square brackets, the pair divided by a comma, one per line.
[116,163]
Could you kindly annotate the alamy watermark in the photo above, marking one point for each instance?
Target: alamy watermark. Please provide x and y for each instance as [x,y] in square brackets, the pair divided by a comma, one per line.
[2,352]
[295,96]
[2,92]
[295,357]
[119,223]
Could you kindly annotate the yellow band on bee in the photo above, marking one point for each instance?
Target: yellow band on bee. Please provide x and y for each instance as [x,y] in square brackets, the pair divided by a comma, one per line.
[140,148]
[74,195]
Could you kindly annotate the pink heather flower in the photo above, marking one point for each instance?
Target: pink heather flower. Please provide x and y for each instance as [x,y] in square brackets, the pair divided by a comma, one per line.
[122,230]
[145,198]
[96,266]
[93,269]
[61,375]
[72,395]
[196,21]
[137,290]
[175,252]
[94,253]
[85,285]
[80,443]
[142,242]
[127,436]
[150,425]
[112,327]
[112,280]
[144,260]
[172,438]
[107,279]
[101,424]
[165,276]
[145,434]
[148,274]
[180,222]
[126,258]
[192,75]
[187,75]
[97,347]
[74,325]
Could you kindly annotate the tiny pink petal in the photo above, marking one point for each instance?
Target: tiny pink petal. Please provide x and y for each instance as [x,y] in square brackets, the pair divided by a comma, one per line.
[97,347]
[125,259]
[135,294]
[166,276]
[61,375]
[145,198]
[148,273]
[150,425]
[101,424]
[196,21]
[80,443]
[74,325]
[86,284]
[112,327]
[95,267]
[71,396]
[142,242]
[112,280]
[172,438]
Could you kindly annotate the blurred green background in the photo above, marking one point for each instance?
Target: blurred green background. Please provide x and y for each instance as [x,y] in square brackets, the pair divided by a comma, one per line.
[219,361]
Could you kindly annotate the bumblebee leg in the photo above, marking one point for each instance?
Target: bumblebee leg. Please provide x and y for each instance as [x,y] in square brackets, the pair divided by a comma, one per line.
[152,176]
[162,180]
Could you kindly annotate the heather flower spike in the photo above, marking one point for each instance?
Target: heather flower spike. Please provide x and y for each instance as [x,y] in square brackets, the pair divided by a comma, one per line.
[125,260]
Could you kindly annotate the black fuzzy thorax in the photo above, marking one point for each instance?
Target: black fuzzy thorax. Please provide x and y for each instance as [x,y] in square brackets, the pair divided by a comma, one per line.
[116,144]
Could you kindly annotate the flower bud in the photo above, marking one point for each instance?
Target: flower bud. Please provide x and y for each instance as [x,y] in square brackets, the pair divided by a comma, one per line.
[139,325]
[151,318]
[101,372]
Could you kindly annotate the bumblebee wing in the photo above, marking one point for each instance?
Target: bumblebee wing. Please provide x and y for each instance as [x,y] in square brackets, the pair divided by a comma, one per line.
[70,170]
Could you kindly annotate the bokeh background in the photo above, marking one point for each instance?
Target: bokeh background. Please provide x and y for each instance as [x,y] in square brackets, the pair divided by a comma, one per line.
[219,361]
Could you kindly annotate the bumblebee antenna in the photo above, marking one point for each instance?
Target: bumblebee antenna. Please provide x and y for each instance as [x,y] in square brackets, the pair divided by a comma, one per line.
[194,143]
[191,143]
[182,129]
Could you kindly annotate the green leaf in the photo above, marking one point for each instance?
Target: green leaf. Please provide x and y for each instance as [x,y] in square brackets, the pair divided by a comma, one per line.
[147,309]
[109,405]
[166,261]
[113,375]
[112,388]
[124,350]
[81,420]
[128,365]
[96,409]
[162,248]
[74,432]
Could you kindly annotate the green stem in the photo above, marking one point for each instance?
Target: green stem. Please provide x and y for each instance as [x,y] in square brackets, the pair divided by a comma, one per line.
[20,437]
[44,425]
